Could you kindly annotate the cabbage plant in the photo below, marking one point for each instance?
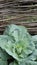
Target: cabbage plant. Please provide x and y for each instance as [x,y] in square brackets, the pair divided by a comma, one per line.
[18,44]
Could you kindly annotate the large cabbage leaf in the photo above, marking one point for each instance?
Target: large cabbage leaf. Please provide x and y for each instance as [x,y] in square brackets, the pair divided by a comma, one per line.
[34,38]
[33,56]
[14,63]
[3,57]
[27,62]
[30,63]
[18,43]
[3,62]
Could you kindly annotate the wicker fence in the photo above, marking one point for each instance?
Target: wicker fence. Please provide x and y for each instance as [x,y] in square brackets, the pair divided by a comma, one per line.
[20,12]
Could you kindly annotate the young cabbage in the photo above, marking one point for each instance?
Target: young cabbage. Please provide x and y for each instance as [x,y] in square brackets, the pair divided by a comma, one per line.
[18,42]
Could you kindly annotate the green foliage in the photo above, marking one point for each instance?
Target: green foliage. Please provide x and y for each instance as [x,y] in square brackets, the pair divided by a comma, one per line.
[3,62]
[3,57]
[34,38]
[19,44]
[22,45]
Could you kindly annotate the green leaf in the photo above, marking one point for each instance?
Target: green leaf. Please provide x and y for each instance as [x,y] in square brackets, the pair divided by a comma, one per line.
[34,38]
[33,56]
[27,62]
[3,62]
[30,63]
[20,45]
[14,63]
[3,55]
